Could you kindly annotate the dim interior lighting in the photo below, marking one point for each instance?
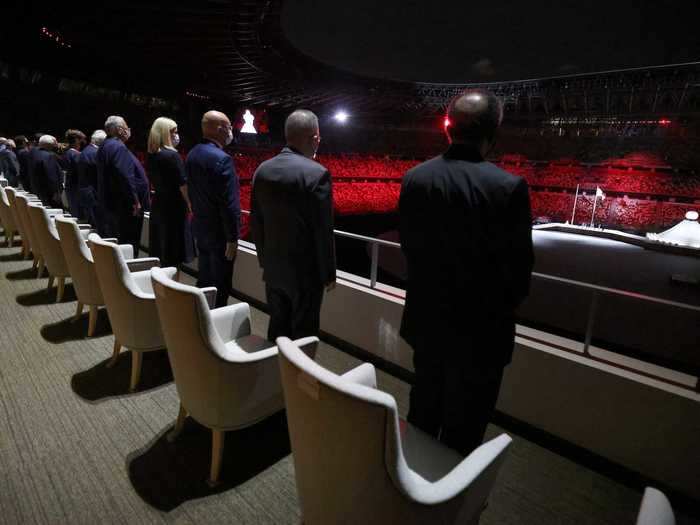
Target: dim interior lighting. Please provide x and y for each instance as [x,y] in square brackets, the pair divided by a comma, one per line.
[664,122]
[341,117]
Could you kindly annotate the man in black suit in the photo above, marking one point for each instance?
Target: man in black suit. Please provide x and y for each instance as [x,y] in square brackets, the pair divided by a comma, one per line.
[23,159]
[465,229]
[46,171]
[292,225]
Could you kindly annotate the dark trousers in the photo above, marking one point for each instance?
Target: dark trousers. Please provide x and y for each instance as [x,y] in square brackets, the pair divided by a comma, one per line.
[125,227]
[293,313]
[452,399]
[215,269]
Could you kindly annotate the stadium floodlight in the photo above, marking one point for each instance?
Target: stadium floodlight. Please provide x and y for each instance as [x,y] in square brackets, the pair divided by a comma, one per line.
[341,117]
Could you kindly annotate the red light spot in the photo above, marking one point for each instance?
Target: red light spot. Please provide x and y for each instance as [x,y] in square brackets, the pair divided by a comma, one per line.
[664,122]
[447,122]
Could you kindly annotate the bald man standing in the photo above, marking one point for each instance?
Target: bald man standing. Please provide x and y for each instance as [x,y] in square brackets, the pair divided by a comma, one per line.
[465,228]
[212,184]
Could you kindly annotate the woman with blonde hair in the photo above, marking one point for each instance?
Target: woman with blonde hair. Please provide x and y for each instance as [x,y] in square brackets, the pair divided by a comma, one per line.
[170,236]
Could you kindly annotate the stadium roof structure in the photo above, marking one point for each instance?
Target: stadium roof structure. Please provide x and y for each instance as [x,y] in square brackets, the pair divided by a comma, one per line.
[235,51]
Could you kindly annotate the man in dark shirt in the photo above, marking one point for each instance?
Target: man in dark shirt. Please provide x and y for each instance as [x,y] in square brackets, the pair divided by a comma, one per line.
[9,165]
[75,139]
[22,153]
[46,171]
[213,189]
[292,224]
[87,181]
[122,186]
[465,229]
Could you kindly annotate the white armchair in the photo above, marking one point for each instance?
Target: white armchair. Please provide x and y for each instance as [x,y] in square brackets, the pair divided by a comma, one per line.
[31,247]
[226,377]
[130,302]
[82,268]
[51,252]
[655,509]
[6,217]
[353,466]
[12,200]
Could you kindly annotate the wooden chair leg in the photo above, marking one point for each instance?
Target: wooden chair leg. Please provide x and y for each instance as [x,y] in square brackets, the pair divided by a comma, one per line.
[179,424]
[115,353]
[78,311]
[51,280]
[217,452]
[92,321]
[10,239]
[36,263]
[61,289]
[136,360]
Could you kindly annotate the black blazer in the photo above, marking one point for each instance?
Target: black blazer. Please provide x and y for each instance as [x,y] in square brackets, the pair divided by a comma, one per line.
[465,228]
[292,221]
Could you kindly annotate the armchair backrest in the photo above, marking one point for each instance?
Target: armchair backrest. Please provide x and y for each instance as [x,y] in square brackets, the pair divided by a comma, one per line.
[11,194]
[6,217]
[79,260]
[655,509]
[47,237]
[338,432]
[220,387]
[28,235]
[132,312]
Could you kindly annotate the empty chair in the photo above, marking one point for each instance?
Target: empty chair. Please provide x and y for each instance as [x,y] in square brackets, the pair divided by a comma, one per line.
[12,195]
[226,378]
[35,246]
[51,252]
[131,306]
[6,217]
[655,509]
[82,267]
[352,464]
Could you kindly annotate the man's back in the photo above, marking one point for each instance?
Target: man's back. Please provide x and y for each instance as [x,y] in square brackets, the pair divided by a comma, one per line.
[23,159]
[466,233]
[292,221]
[87,167]
[46,174]
[213,190]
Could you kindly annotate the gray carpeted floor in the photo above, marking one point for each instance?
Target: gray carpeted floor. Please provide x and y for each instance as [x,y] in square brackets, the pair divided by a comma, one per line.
[75,447]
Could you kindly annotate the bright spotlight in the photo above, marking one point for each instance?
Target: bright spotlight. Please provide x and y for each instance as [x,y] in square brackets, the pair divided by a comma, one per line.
[341,117]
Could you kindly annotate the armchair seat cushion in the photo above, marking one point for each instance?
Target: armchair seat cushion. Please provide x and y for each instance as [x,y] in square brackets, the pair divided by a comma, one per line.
[427,458]
[248,344]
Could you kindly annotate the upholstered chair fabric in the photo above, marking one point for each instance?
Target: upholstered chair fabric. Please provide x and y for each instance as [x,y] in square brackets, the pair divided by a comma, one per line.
[226,377]
[655,509]
[353,465]
[47,238]
[28,238]
[7,218]
[80,263]
[129,298]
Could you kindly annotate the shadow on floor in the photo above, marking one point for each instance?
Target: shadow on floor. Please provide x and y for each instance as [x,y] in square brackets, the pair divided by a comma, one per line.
[166,474]
[27,273]
[45,296]
[100,382]
[11,257]
[74,330]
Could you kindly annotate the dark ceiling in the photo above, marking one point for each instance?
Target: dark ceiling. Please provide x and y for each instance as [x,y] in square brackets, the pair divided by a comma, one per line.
[460,41]
[323,53]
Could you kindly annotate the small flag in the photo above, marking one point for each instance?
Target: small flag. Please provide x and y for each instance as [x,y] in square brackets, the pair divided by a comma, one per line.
[599,193]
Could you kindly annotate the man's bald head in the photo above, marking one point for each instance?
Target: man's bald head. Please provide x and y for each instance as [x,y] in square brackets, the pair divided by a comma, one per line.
[474,117]
[216,126]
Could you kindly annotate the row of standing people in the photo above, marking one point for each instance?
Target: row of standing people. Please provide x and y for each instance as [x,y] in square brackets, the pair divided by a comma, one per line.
[465,228]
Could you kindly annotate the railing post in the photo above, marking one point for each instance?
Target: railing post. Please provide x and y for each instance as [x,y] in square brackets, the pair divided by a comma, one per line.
[375,263]
[589,324]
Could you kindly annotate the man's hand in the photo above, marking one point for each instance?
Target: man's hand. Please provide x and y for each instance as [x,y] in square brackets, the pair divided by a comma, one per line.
[231,250]
[136,208]
[330,286]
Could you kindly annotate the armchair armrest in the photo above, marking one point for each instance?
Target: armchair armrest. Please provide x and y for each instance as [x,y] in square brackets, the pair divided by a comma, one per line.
[145,263]
[362,375]
[232,321]
[127,250]
[143,281]
[56,211]
[85,227]
[461,476]
[210,295]
[115,241]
